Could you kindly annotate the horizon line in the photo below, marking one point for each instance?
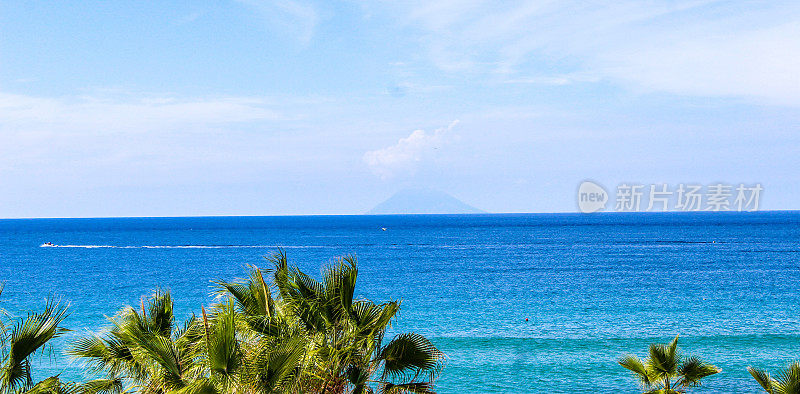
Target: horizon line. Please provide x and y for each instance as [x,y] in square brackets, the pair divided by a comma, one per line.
[396,214]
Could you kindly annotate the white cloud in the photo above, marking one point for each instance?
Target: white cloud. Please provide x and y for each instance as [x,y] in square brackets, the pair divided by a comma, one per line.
[555,79]
[759,64]
[406,155]
[691,47]
[76,134]
[107,115]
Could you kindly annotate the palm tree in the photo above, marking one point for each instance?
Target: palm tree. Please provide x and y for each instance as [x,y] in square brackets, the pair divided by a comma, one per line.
[346,350]
[296,335]
[666,371]
[20,340]
[143,349]
[243,354]
[786,382]
[148,353]
[274,345]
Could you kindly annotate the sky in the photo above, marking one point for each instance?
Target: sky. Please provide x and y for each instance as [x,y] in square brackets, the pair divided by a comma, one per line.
[329,107]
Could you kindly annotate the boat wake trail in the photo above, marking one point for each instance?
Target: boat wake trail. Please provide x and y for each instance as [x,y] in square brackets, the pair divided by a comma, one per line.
[176,246]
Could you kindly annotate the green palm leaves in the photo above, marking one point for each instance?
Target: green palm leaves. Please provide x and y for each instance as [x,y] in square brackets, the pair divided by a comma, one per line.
[146,352]
[346,335]
[278,331]
[20,340]
[666,371]
[786,381]
[143,349]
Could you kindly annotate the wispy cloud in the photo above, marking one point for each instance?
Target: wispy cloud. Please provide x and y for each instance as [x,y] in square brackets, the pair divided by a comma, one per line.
[554,79]
[691,47]
[759,64]
[406,155]
[294,17]
[86,133]
[112,114]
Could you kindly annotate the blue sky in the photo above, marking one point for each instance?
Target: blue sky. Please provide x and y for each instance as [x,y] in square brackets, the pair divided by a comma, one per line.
[294,107]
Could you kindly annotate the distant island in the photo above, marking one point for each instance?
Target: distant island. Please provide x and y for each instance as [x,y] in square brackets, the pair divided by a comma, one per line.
[410,201]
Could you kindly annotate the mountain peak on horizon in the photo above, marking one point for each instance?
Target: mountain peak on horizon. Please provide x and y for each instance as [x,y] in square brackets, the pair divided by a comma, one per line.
[416,201]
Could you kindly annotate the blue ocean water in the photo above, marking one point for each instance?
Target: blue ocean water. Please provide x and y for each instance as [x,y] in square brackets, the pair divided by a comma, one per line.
[593,287]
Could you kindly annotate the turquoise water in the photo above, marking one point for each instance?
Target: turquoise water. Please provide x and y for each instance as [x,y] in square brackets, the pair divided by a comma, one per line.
[593,287]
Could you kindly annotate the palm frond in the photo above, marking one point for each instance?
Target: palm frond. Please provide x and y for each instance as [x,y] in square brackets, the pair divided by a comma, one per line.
[417,388]
[787,381]
[276,367]
[103,386]
[160,308]
[222,347]
[763,378]
[666,371]
[635,365]
[198,386]
[410,355]
[54,385]
[663,359]
[28,336]
[692,370]
[165,354]
[340,282]
[253,296]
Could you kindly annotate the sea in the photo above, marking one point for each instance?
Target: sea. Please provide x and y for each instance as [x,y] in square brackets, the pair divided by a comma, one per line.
[519,303]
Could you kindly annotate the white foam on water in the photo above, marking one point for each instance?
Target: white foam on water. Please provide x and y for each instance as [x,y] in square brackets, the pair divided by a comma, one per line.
[181,246]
